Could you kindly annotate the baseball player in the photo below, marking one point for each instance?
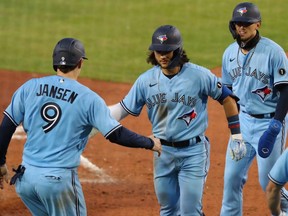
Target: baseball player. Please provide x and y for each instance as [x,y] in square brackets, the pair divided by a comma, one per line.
[278,177]
[175,93]
[255,68]
[58,113]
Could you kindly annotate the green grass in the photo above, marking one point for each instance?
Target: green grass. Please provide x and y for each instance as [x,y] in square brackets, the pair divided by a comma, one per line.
[117,33]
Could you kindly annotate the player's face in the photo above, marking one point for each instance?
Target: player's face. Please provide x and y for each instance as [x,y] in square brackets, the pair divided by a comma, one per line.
[246,31]
[163,58]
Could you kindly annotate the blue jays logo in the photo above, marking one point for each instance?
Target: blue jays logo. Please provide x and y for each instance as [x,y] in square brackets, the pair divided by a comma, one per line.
[242,10]
[263,92]
[188,117]
[162,38]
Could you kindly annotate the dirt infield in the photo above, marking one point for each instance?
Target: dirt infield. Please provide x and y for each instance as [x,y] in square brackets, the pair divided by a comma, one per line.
[131,193]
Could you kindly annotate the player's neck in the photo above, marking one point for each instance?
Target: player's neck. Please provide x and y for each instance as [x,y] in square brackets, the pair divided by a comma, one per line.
[172,71]
[70,75]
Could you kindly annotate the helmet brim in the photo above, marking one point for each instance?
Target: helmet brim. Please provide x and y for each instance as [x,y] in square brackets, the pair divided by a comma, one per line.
[163,47]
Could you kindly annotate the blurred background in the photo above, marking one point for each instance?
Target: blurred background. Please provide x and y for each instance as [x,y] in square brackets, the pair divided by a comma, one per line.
[117,33]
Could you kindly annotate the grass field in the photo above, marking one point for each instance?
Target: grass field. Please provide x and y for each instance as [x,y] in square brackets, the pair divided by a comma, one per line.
[117,33]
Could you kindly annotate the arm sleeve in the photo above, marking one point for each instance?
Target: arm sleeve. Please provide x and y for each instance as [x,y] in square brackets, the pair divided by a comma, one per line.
[7,129]
[282,105]
[125,137]
[118,112]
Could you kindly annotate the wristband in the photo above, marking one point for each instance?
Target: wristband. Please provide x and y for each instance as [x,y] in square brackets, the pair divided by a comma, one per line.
[234,124]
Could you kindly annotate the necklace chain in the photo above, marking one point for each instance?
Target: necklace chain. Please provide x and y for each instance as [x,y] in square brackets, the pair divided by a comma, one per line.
[247,61]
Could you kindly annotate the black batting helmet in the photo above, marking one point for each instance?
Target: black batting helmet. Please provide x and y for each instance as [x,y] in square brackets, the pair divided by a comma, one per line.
[246,12]
[166,38]
[68,51]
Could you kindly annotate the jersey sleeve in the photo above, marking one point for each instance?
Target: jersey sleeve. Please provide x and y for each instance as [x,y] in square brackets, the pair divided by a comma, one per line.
[15,110]
[100,117]
[279,173]
[211,84]
[226,78]
[134,101]
[279,64]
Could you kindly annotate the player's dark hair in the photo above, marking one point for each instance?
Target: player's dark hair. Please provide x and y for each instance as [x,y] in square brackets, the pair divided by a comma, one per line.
[152,60]
[66,68]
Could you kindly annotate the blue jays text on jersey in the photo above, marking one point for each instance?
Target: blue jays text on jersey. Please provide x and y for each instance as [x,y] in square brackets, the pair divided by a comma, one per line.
[253,73]
[160,98]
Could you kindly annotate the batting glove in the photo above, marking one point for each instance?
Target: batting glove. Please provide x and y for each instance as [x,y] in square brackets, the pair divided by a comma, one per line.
[237,147]
[267,140]
[3,175]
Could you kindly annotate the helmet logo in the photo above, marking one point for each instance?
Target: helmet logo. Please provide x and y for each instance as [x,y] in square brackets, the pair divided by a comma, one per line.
[162,38]
[62,62]
[242,10]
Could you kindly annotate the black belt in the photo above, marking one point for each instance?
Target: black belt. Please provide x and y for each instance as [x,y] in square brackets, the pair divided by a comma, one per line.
[180,144]
[261,116]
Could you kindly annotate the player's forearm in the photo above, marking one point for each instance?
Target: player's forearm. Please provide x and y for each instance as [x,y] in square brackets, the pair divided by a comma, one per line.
[282,105]
[273,198]
[230,107]
[7,128]
[231,112]
[125,137]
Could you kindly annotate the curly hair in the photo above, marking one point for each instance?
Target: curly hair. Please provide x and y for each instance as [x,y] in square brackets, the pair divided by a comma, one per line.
[152,60]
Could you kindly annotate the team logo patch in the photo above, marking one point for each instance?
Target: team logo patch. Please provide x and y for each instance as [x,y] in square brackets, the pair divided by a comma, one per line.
[62,62]
[263,93]
[188,117]
[282,71]
[162,38]
[242,11]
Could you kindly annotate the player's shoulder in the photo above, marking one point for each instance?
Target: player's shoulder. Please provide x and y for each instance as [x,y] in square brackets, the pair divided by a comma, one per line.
[195,68]
[268,44]
[231,48]
[150,73]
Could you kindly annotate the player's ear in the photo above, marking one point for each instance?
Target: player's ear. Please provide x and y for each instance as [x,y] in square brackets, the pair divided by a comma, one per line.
[79,65]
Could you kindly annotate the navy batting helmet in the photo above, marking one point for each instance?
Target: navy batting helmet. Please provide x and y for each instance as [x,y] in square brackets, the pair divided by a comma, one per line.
[246,12]
[68,51]
[166,38]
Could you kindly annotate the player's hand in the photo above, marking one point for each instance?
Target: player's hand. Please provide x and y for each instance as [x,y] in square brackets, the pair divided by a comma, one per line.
[267,140]
[237,147]
[157,145]
[3,175]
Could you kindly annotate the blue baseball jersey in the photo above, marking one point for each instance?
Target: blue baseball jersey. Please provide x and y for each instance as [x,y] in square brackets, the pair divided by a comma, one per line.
[279,173]
[176,107]
[254,76]
[58,114]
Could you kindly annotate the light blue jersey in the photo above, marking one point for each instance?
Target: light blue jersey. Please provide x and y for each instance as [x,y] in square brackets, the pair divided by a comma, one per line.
[176,107]
[279,172]
[253,78]
[259,71]
[55,112]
